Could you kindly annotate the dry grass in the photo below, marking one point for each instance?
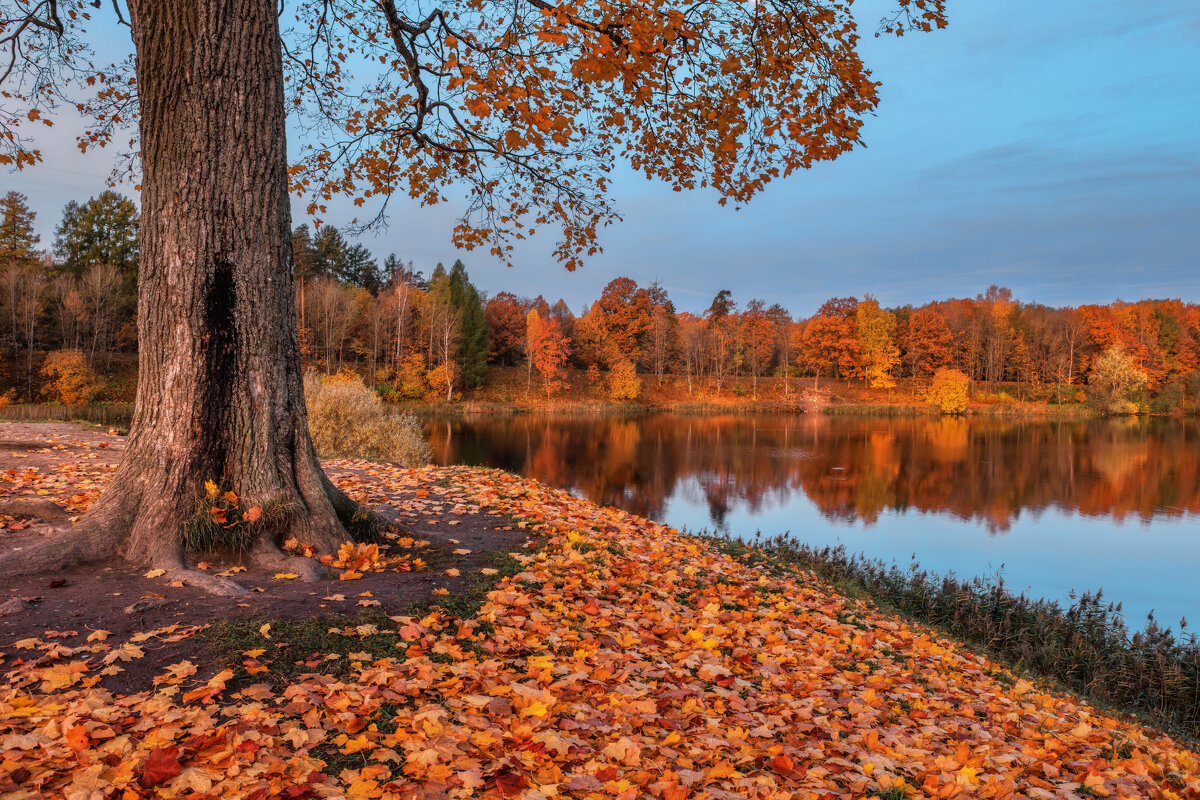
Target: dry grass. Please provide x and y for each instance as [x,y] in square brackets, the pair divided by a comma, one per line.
[348,420]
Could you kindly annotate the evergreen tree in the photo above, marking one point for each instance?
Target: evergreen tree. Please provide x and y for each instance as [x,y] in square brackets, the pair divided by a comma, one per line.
[329,254]
[104,230]
[361,269]
[473,344]
[721,307]
[17,239]
[332,256]
[398,273]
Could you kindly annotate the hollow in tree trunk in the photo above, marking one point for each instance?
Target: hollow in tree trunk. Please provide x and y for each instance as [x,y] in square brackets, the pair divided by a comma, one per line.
[219,393]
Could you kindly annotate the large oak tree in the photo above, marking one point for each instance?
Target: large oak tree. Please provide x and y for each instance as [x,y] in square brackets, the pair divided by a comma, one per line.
[524,104]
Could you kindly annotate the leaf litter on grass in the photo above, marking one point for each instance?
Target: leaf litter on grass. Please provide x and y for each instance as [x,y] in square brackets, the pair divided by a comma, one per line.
[622,659]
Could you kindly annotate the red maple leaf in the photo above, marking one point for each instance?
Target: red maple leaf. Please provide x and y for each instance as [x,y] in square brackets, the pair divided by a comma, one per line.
[161,765]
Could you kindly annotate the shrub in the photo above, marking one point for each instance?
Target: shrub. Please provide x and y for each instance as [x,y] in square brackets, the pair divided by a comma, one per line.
[1170,398]
[72,381]
[412,377]
[1115,378]
[949,391]
[348,420]
[623,382]
[1063,393]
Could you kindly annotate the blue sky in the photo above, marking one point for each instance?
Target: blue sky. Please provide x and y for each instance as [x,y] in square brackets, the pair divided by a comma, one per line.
[1050,147]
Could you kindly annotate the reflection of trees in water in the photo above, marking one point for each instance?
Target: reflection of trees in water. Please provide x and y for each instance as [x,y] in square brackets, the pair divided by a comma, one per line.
[852,469]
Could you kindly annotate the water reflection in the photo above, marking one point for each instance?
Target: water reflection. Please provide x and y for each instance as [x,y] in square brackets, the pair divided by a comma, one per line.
[851,469]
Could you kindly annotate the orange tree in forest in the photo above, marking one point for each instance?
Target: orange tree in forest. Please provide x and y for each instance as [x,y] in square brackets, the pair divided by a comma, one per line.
[928,344]
[548,350]
[627,312]
[525,107]
[758,337]
[830,339]
[505,316]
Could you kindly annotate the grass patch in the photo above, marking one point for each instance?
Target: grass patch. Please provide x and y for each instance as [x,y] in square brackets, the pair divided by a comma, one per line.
[881,410]
[219,523]
[313,645]
[361,525]
[294,643]
[467,603]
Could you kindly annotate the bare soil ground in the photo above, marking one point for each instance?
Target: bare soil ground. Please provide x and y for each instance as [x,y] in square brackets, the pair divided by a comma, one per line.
[48,473]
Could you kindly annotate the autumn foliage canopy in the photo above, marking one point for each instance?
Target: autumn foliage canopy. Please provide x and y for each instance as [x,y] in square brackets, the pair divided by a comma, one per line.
[528,105]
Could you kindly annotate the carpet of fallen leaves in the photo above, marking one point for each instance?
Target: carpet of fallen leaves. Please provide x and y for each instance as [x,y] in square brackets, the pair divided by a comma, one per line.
[624,661]
[72,479]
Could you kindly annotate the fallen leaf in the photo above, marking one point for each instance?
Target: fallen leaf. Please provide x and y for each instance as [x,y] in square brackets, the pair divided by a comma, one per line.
[162,764]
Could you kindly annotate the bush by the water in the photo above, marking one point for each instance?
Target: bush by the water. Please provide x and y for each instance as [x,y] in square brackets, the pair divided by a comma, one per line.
[623,382]
[948,391]
[1085,647]
[71,381]
[348,420]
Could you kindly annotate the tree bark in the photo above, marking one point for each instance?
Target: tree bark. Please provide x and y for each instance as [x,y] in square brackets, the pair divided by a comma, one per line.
[219,393]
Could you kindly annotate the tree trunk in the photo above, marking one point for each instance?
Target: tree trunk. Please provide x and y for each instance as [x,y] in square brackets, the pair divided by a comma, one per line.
[219,393]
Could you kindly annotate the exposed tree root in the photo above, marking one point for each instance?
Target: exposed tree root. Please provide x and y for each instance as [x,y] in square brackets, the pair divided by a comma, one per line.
[57,551]
[33,507]
[272,559]
[106,532]
[213,584]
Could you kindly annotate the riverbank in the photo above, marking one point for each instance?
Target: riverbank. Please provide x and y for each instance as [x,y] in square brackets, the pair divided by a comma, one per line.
[510,390]
[507,391]
[610,657]
[1085,647]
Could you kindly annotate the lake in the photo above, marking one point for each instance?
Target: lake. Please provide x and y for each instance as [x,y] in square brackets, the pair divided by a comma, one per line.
[1056,506]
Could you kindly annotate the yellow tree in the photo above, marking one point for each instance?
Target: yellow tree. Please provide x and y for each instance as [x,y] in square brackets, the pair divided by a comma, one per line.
[877,343]
[525,107]
[1115,378]
[949,391]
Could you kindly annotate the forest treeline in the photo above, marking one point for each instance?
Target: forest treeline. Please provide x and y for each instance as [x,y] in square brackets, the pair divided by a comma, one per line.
[69,332]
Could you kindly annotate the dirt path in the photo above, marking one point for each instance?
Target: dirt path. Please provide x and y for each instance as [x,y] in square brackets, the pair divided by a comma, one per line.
[50,473]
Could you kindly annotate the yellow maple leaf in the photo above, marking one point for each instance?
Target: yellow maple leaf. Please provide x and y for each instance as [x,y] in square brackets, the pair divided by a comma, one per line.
[535,709]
